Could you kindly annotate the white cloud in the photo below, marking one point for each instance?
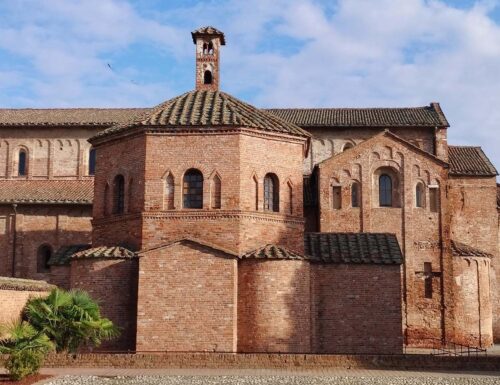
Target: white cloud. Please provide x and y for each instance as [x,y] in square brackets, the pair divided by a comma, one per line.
[347,53]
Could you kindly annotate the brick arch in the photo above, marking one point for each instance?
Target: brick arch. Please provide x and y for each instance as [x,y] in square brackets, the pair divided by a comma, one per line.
[396,175]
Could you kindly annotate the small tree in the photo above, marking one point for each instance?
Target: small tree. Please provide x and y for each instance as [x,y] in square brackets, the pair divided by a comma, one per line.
[26,348]
[70,319]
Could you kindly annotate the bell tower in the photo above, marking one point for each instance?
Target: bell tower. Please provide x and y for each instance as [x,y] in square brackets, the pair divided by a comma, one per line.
[208,41]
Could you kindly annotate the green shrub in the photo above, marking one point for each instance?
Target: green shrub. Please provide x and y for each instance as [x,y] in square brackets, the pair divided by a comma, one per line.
[26,348]
[24,363]
[70,319]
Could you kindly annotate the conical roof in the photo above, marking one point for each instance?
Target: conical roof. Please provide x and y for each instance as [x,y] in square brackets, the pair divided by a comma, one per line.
[206,109]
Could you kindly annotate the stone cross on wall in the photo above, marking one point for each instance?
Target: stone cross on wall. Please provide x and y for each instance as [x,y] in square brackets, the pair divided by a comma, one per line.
[428,276]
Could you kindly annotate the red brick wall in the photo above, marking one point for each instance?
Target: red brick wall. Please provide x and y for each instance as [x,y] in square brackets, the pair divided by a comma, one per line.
[36,225]
[357,309]
[274,306]
[187,299]
[420,232]
[113,284]
[12,303]
[473,220]
[473,301]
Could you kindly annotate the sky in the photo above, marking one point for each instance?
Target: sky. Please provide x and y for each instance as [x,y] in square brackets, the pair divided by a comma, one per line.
[279,53]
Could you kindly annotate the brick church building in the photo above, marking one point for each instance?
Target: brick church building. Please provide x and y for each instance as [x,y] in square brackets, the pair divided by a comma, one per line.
[207,224]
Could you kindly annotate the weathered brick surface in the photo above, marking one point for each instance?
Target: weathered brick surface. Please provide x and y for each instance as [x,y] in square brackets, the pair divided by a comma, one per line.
[113,284]
[12,303]
[357,309]
[274,306]
[420,232]
[187,299]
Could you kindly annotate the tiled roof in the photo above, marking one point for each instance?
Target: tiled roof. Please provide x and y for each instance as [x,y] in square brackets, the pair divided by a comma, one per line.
[208,30]
[63,255]
[376,248]
[204,109]
[461,250]
[19,284]
[112,252]
[429,116]
[47,191]
[67,116]
[468,160]
[273,252]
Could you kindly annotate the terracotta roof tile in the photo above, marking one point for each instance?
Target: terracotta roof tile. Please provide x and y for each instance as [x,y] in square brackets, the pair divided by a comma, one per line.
[110,252]
[468,160]
[63,255]
[461,250]
[273,252]
[204,109]
[19,284]
[207,31]
[429,116]
[67,116]
[47,191]
[376,248]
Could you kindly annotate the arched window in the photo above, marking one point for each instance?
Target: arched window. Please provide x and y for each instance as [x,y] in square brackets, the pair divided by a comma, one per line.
[207,77]
[385,190]
[271,193]
[119,194]
[193,189]
[216,188]
[355,195]
[43,257]
[290,198]
[205,48]
[210,48]
[419,195]
[169,192]
[92,161]
[21,166]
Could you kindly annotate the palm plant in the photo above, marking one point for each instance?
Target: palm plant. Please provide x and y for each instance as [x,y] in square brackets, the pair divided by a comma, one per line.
[70,319]
[26,348]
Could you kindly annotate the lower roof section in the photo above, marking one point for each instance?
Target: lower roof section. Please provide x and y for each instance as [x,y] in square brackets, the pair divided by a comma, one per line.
[362,248]
[33,191]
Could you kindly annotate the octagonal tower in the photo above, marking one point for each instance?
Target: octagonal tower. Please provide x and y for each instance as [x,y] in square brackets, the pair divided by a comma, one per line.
[202,165]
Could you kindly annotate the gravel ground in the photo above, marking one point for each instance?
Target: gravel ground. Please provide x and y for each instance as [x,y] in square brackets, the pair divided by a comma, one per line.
[265,380]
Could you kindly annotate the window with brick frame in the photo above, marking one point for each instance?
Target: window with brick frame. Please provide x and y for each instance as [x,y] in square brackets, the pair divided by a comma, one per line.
[22,164]
[271,193]
[336,197]
[207,77]
[119,194]
[385,190]
[44,254]
[256,192]
[192,189]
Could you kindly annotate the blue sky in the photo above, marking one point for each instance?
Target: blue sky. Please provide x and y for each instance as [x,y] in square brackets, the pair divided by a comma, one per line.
[280,53]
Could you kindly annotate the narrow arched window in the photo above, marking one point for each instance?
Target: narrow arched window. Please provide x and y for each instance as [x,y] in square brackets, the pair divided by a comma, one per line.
[92,161]
[419,195]
[290,198]
[207,77]
[355,195]
[385,190]
[205,48]
[22,166]
[193,189]
[43,257]
[210,48]
[271,193]
[216,188]
[169,192]
[119,194]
